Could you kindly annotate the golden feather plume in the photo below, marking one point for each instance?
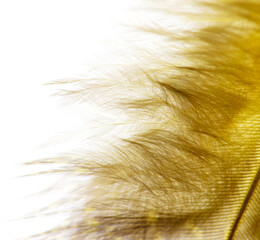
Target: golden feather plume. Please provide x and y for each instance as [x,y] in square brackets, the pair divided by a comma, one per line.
[188,165]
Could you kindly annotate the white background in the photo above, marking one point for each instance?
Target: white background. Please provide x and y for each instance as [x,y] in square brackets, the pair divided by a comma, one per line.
[42,41]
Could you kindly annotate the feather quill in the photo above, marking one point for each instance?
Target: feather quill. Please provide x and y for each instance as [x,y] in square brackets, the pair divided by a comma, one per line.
[188,167]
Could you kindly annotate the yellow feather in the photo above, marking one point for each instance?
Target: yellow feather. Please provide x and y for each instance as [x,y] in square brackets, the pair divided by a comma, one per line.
[188,164]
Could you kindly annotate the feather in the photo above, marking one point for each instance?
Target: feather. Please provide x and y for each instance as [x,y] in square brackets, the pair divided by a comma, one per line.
[187,164]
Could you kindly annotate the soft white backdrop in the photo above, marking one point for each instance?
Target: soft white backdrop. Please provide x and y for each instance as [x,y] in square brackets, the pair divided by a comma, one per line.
[42,41]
